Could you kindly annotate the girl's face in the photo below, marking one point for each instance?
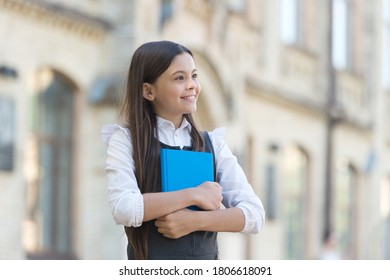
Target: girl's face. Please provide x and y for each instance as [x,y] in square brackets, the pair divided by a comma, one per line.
[176,91]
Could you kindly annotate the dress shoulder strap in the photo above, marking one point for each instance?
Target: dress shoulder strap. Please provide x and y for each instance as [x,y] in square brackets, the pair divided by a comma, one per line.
[210,149]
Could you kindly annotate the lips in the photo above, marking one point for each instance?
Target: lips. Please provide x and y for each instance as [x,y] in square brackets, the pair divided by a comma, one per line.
[189,98]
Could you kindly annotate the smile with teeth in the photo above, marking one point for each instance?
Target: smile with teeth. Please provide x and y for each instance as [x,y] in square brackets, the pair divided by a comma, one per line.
[189,98]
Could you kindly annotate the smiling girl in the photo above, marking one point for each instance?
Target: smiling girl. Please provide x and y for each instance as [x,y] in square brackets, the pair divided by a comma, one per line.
[162,92]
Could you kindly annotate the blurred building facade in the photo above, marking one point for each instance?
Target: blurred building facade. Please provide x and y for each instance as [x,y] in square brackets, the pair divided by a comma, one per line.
[306,109]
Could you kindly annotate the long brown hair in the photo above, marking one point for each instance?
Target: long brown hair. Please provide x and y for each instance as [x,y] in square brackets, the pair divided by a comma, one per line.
[149,61]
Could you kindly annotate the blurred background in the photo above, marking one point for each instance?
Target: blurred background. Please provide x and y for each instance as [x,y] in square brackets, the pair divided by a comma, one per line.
[302,86]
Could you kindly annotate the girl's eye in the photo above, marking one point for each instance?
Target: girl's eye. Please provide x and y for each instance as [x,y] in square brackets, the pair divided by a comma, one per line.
[180,77]
[195,75]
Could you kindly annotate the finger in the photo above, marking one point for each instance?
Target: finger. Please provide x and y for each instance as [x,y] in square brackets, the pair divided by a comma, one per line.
[159,224]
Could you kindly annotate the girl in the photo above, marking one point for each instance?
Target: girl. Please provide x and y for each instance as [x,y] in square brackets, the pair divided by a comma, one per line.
[162,91]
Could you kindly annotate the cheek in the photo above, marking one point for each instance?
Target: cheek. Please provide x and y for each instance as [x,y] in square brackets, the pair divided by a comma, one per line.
[199,88]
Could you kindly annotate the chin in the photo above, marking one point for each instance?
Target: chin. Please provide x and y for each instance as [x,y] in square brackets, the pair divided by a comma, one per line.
[190,111]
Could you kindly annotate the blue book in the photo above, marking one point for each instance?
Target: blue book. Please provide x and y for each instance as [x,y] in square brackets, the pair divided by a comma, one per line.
[182,169]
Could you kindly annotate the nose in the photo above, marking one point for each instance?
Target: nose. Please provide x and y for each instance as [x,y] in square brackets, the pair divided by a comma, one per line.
[191,84]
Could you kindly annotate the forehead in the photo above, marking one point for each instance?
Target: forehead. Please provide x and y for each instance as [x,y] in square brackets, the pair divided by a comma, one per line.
[182,62]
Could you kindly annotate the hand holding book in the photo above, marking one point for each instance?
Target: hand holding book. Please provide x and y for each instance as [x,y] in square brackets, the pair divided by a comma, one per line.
[209,196]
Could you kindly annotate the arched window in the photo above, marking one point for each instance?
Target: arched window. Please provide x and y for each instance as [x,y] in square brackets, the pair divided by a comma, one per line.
[295,202]
[345,209]
[52,124]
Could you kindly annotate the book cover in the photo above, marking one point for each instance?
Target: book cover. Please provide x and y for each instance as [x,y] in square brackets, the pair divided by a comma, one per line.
[182,169]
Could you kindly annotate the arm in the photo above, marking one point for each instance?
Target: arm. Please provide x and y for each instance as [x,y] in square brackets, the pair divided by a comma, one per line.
[223,220]
[183,222]
[166,202]
[207,196]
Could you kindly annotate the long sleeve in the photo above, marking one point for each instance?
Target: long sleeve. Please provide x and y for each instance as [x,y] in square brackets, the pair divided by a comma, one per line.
[124,196]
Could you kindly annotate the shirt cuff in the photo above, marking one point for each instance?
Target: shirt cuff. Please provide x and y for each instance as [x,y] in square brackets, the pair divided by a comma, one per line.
[254,220]
[139,211]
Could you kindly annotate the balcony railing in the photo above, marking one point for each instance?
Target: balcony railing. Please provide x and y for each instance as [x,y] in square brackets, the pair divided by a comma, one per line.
[351,95]
[298,71]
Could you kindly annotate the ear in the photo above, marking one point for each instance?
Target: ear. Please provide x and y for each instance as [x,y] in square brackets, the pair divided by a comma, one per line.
[147,92]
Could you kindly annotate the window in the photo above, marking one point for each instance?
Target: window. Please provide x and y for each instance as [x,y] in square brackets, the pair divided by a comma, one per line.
[7,135]
[341,34]
[271,170]
[237,6]
[345,209]
[270,176]
[166,11]
[386,44]
[294,202]
[290,24]
[52,122]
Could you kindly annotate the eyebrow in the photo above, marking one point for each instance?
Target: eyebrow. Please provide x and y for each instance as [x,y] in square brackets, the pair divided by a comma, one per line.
[183,72]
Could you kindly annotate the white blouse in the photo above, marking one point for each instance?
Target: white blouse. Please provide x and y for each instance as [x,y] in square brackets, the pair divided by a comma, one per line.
[125,199]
